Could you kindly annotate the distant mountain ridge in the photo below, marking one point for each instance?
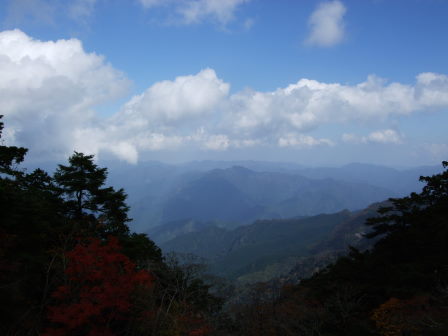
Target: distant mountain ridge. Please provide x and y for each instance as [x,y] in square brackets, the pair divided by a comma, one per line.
[401,181]
[160,193]
[238,192]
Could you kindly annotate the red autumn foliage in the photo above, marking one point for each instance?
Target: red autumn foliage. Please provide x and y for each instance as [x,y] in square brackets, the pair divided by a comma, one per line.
[101,282]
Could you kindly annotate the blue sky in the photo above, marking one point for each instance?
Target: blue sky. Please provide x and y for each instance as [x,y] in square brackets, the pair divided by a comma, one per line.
[314,82]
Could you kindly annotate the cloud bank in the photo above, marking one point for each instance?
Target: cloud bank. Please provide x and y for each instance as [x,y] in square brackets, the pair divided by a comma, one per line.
[49,91]
[387,136]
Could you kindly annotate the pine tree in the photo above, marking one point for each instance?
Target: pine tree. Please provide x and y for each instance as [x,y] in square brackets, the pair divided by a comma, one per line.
[10,156]
[81,184]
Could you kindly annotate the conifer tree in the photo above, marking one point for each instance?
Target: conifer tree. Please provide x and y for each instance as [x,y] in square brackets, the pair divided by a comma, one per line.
[81,183]
[10,156]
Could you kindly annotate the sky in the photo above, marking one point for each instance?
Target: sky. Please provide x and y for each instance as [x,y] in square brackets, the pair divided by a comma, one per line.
[311,82]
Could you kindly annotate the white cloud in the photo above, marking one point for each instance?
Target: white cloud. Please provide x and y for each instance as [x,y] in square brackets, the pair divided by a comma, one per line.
[197,110]
[308,104]
[167,103]
[48,90]
[217,142]
[431,90]
[327,25]
[301,140]
[164,117]
[387,136]
[197,11]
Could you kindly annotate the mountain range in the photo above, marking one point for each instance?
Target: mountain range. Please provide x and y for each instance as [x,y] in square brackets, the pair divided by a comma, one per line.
[237,193]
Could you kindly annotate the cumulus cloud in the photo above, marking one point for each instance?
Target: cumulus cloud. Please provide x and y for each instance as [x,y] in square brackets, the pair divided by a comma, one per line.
[49,92]
[327,24]
[307,104]
[197,110]
[48,89]
[167,116]
[387,136]
[196,11]
[170,102]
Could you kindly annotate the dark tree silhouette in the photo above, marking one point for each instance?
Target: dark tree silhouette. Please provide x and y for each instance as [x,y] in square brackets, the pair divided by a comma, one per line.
[82,185]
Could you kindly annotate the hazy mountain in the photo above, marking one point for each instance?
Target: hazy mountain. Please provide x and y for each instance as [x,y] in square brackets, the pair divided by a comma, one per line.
[161,193]
[235,193]
[400,181]
[241,195]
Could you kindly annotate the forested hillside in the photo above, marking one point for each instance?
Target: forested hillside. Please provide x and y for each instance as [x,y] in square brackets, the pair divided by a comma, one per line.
[399,287]
[266,248]
[69,265]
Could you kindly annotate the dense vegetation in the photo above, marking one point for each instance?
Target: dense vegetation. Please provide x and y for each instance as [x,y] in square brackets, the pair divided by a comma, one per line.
[397,288]
[69,265]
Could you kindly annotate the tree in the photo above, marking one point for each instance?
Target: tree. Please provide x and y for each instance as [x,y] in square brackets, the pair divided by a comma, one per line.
[81,184]
[30,217]
[10,156]
[415,209]
[55,238]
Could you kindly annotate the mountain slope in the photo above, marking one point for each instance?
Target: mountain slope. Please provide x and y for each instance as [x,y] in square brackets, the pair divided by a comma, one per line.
[272,246]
